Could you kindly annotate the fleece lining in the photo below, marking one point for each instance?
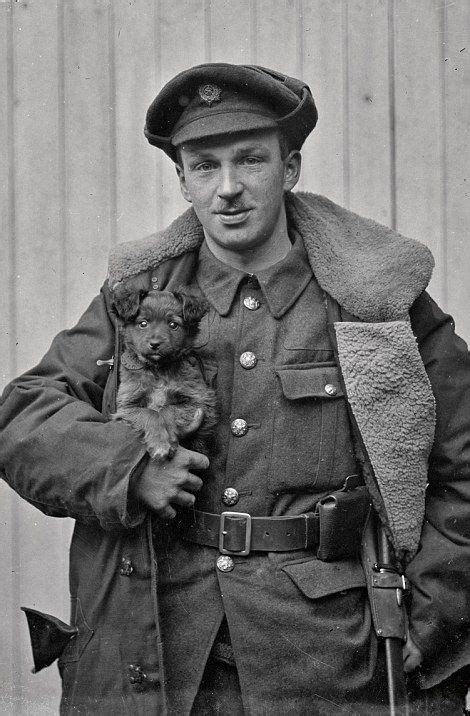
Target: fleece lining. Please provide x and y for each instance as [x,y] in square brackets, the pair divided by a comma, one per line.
[375,274]
[392,401]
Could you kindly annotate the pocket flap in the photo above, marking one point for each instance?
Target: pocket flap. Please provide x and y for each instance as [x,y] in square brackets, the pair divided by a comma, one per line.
[49,637]
[310,381]
[317,579]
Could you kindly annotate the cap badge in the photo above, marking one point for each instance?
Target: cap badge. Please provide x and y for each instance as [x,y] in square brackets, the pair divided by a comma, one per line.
[210,94]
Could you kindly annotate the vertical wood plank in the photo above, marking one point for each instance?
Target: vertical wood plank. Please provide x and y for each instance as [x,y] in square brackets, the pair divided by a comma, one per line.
[37,540]
[323,61]
[231,31]
[7,215]
[8,623]
[87,125]
[37,192]
[418,104]
[183,40]
[277,35]
[456,28]
[133,29]
[10,660]
[370,163]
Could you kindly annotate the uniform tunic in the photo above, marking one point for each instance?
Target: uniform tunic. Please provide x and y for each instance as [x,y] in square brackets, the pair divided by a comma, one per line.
[282,442]
[310,616]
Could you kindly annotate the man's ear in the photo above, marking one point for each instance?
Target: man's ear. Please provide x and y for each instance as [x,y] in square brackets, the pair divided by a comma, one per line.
[292,166]
[182,180]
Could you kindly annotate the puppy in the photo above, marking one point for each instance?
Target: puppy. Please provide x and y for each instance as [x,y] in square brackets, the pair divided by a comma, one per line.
[162,393]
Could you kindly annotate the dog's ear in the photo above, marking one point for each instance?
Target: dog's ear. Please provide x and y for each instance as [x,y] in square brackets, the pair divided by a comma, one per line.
[194,308]
[127,297]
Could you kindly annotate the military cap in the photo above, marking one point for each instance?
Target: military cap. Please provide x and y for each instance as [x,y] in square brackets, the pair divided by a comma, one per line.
[220,98]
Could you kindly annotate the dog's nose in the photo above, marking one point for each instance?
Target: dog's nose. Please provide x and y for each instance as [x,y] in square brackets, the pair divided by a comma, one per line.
[154,343]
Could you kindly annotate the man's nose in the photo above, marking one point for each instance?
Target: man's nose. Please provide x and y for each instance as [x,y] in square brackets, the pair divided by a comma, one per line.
[229,184]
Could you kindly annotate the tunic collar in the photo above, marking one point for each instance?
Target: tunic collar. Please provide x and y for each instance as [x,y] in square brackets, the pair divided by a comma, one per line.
[280,284]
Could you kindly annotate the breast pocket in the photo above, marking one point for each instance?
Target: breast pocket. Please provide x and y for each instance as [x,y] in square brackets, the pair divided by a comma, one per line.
[310,430]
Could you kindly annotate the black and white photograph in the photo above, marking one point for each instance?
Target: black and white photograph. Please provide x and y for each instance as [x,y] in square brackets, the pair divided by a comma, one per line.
[235,376]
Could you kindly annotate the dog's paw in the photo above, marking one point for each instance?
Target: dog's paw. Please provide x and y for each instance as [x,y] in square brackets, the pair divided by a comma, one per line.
[164,451]
[195,423]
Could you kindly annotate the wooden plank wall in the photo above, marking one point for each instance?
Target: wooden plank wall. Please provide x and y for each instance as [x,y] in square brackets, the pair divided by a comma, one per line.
[391,79]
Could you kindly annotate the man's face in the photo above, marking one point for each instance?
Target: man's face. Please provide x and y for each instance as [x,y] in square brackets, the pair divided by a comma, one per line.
[236,185]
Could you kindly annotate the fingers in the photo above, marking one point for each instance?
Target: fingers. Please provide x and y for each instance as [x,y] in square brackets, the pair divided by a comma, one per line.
[167,513]
[183,499]
[192,483]
[196,460]
[412,656]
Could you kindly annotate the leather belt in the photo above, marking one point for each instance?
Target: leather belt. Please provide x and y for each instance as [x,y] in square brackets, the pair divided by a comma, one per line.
[238,533]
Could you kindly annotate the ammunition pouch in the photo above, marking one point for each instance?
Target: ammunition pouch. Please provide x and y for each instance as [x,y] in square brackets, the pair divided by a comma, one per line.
[341,519]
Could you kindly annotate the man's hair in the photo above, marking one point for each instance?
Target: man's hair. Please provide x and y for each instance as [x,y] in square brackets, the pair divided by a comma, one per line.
[284,145]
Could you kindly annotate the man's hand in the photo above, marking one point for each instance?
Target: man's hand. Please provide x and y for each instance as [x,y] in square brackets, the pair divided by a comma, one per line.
[170,482]
[412,656]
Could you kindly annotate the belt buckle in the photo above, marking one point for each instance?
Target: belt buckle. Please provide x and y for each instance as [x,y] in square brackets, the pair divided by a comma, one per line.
[222,533]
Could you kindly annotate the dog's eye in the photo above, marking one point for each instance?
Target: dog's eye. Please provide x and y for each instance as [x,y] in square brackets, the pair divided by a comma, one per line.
[173,325]
[142,324]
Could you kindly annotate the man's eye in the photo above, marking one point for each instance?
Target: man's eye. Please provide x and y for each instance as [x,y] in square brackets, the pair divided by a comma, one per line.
[142,324]
[251,160]
[204,167]
[173,325]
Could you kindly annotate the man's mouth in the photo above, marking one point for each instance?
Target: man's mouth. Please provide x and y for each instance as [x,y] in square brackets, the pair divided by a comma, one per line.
[233,217]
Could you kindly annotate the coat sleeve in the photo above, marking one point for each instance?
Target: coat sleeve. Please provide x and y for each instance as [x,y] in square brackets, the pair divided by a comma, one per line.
[57,449]
[440,572]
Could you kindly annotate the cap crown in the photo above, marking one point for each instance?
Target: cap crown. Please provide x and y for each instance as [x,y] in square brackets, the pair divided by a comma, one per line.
[219,98]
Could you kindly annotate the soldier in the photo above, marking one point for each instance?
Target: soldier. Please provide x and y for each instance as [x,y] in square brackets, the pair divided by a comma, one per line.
[235,585]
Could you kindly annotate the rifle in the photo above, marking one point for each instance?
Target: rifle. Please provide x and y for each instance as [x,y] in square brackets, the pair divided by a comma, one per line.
[386,587]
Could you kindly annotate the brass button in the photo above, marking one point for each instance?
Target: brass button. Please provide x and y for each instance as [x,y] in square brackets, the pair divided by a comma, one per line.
[230,496]
[225,563]
[330,389]
[136,674]
[251,303]
[248,360]
[239,427]
[126,567]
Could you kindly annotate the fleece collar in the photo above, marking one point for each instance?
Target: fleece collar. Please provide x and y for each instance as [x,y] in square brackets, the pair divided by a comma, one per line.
[371,270]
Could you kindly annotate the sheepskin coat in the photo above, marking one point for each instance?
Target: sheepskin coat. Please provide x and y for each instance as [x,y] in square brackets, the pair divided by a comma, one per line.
[400,359]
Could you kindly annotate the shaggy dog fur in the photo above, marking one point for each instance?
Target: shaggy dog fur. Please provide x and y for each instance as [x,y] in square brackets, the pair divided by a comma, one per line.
[162,392]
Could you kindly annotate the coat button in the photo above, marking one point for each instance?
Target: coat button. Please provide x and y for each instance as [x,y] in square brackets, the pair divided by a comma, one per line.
[248,360]
[225,563]
[251,303]
[230,496]
[136,674]
[239,427]
[126,567]
[330,389]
